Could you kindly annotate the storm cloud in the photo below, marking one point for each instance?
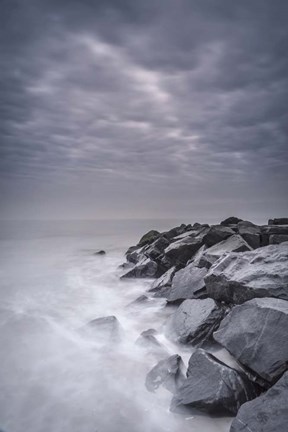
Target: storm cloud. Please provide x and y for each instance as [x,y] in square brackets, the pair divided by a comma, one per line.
[130,108]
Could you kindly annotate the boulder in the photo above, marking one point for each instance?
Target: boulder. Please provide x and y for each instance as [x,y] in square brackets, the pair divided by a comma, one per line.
[146,268]
[278,221]
[175,231]
[232,220]
[234,243]
[106,329]
[251,233]
[255,333]
[278,238]
[164,281]
[239,277]
[213,387]
[216,234]
[147,339]
[188,283]
[266,413]
[149,237]
[155,249]
[100,252]
[194,321]
[168,373]
[180,251]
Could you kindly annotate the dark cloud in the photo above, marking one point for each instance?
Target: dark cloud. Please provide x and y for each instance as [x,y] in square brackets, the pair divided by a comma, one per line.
[183,101]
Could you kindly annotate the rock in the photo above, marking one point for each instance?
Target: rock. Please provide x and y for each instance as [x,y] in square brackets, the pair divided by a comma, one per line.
[251,233]
[180,251]
[212,386]
[188,283]
[164,281]
[147,339]
[232,220]
[234,243]
[100,252]
[255,333]
[278,238]
[147,268]
[274,229]
[239,277]
[266,413]
[135,255]
[194,321]
[279,221]
[175,232]
[149,237]
[168,372]
[216,234]
[154,250]
[139,301]
[105,328]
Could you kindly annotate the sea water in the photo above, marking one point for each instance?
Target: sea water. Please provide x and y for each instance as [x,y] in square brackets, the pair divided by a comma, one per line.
[55,378]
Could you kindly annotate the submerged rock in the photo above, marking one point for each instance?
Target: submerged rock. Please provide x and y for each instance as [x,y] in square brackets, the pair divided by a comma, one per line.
[239,277]
[212,386]
[194,321]
[168,373]
[188,283]
[266,413]
[105,328]
[255,333]
[100,252]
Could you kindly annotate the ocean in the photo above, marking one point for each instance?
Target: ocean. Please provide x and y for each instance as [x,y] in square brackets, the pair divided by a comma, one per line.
[54,377]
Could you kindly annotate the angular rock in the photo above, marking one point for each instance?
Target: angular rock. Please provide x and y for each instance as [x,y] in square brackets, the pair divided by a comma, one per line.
[146,268]
[213,387]
[194,321]
[278,221]
[255,333]
[180,251]
[251,233]
[234,243]
[175,231]
[147,339]
[266,413]
[168,373]
[278,238]
[154,250]
[188,283]
[149,237]
[232,220]
[161,286]
[239,277]
[216,234]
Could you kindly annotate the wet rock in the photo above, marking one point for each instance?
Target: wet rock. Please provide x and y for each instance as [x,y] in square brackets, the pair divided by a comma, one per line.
[194,321]
[266,413]
[168,373]
[146,268]
[100,252]
[251,233]
[213,387]
[149,237]
[255,333]
[232,220]
[139,300]
[154,250]
[188,283]
[175,231]
[180,251]
[105,328]
[278,221]
[148,341]
[278,238]
[216,234]
[164,281]
[234,243]
[239,277]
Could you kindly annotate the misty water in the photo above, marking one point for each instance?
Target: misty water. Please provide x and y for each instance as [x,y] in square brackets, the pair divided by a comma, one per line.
[53,376]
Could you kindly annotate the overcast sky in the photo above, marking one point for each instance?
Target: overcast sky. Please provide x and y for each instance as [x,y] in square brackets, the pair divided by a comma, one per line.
[143,108]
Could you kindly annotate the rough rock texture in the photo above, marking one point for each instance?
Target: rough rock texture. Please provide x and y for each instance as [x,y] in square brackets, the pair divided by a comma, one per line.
[188,283]
[164,281]
[146,268]
[251,233]
[213,386]
[255,333]
[175,231]
[232,220]
[278,238]
[234,243]
[239,277]
[194,321]
[149,237]
[279,221]
[267,413]
[168,372]
[180,251]
[216,234]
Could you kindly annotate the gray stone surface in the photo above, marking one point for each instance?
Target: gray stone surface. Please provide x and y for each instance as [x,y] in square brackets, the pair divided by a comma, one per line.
[255,333]
[216,234]
[146,268]
[251,233]
[213,386]
[168,373]
[194,321]
[266,413]
[239,277]
[188,283]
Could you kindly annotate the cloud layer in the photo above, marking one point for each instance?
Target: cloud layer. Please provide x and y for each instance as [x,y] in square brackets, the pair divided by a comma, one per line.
[144,109]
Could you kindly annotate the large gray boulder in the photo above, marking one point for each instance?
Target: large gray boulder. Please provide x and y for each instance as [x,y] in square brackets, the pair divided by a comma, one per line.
[163,281]
[278,238]
[278,221]
[234,243]
[149,237]
[255,333]
[188,283]
[212,386]
[168,373]
[232,220]
[239,277]
[146,268]
[266,413]
[216,234]
[251,233]
[194,321]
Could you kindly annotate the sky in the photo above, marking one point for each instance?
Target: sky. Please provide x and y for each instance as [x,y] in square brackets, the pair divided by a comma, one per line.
[143,109]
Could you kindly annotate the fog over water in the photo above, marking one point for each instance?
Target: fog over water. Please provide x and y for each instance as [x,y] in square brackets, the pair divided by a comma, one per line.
[55,378]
